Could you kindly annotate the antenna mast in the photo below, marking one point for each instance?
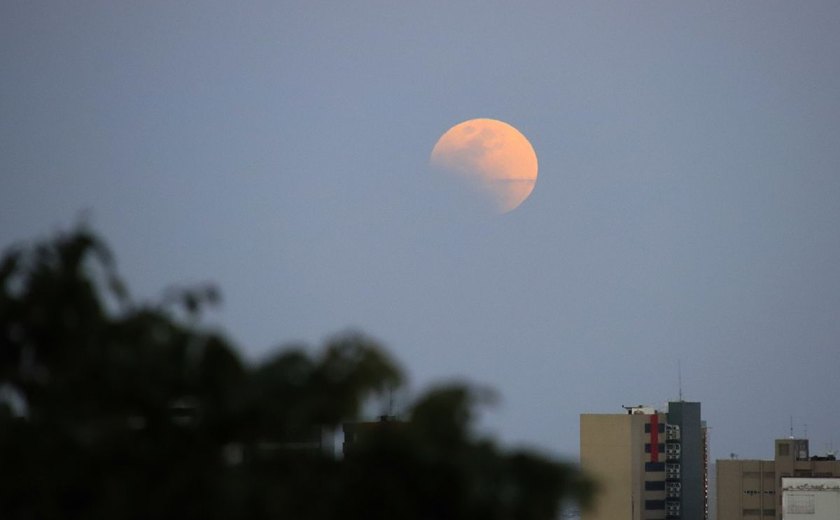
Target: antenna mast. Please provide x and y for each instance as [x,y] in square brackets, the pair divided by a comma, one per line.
[391,402]
[679,378]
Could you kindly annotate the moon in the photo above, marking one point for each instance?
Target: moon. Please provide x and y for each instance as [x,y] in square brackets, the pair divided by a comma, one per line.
[492,157]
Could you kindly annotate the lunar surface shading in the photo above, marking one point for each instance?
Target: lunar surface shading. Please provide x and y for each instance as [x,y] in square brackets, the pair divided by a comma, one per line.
[493,158]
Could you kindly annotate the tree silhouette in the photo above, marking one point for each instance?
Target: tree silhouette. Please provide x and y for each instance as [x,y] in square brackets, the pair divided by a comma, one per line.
[114,409]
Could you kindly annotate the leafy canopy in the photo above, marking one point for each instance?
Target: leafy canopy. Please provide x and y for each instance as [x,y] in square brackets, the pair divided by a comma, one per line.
[114,409]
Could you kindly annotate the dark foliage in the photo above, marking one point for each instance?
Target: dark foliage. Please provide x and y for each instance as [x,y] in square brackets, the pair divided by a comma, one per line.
[110,409]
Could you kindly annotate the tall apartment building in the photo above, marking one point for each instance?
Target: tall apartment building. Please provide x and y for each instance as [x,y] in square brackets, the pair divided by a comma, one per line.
[649,464]
[752,489]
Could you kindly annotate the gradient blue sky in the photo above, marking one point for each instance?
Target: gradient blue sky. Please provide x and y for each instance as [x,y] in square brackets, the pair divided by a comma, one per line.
[686,211]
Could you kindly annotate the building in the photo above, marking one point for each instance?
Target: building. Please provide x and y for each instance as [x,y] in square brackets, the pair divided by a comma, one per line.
[649,464]
[752,489]
[357,431]
[810,498]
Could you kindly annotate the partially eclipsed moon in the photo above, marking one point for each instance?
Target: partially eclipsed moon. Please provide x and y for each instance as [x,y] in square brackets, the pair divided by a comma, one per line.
[494,159]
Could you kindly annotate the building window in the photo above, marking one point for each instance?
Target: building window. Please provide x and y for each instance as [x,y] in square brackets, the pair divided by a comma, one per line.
[784,449]
[654,466]
[800,504]
[660,427]
[654,485]
[751,512]
[654,505]
[770,512]
[801,447]
[661,448]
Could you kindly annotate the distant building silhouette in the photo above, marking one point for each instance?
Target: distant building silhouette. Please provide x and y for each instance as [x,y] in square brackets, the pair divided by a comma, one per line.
[356,431]
[650,464]
[752,489]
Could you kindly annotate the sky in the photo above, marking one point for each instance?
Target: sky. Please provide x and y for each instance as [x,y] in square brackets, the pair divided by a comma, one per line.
[684,221]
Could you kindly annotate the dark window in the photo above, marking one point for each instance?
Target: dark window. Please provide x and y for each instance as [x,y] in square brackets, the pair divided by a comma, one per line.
[661,448]
[654,504]
[654,485]
[654,466]
[784,449]
[661,428]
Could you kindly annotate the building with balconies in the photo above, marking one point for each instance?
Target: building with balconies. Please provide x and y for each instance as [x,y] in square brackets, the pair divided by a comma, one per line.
[650,464]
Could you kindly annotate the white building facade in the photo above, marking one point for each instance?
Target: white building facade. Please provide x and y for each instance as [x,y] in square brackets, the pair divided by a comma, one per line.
[810,498]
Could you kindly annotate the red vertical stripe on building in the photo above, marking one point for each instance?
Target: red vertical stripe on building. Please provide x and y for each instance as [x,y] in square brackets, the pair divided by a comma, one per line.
[654,438]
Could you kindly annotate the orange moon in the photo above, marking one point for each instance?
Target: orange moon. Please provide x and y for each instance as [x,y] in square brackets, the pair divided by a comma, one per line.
[492,157]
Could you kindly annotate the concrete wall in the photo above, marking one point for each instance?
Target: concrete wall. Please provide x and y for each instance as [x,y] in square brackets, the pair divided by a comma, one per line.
[811,498]
[610,452]
[746,489]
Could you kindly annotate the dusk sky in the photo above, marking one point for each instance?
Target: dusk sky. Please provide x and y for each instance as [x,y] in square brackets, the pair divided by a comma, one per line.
[686,210]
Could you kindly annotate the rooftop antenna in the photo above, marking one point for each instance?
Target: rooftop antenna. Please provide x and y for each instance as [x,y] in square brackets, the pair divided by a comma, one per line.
[387,409]
[679,378]
[391,401]
[791,427]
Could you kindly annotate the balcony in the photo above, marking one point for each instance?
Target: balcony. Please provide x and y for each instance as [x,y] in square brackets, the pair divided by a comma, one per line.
[672,451]
[672,509]
[673,490]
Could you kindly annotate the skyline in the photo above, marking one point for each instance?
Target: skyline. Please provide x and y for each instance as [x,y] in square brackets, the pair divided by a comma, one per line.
[685,212]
